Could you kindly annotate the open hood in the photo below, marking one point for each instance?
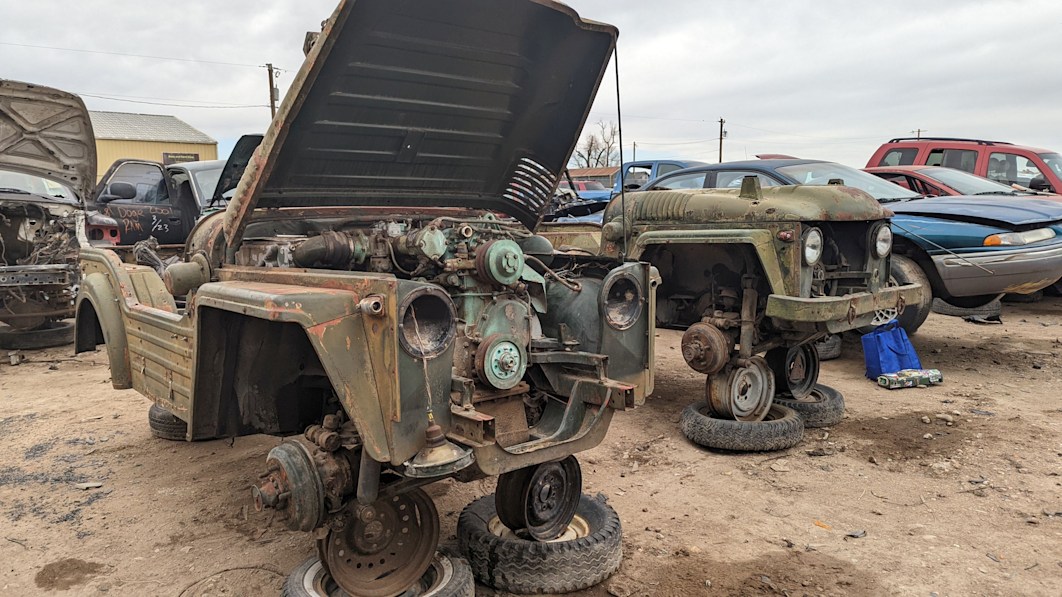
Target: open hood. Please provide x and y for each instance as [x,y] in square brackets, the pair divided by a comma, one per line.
[449,103]
[47,133]
[235,165]
[989,210]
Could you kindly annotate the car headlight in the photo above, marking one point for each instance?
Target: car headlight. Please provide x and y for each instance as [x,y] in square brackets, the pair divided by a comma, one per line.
[883,241]
[622,300]
[812,246]
[1019,238]
[426,322]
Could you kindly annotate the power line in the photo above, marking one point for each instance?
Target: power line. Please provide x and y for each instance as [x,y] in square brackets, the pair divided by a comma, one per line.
[178,105]
[171,58]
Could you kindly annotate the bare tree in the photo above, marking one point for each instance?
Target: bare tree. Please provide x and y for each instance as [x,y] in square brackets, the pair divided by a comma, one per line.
[599,148]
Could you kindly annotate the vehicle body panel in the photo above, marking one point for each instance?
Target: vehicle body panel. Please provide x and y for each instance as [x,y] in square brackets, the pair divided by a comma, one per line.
[927,180]
[267,336]
[942,225]
[47,165]
[46,132]
[643,170]
[157,210]
[977,158]
[438,110]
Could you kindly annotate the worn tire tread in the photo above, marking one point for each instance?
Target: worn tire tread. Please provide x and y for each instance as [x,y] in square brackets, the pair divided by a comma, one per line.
[827,411]
[166,426]
[783,428]
[528,567]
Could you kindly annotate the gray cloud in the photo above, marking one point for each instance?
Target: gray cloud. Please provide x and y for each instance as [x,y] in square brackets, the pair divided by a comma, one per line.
[823,78]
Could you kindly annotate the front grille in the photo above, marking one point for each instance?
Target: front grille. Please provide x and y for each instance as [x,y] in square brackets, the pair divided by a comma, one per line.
[845,267]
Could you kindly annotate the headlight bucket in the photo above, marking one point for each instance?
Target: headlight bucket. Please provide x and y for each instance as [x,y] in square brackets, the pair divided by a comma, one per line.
[882,241]
[812,245]
[426,322]
[622,297]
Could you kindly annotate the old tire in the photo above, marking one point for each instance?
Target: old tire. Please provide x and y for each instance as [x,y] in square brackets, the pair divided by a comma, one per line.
[448,576]
[1054,289]
[783,428]
[992,308]
[905,270]
[49,335]
[511,563]
[166,426]
[829,347]
[823,407]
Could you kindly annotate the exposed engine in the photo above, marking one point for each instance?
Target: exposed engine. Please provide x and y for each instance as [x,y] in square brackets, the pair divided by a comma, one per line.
[511,295]
[38,256]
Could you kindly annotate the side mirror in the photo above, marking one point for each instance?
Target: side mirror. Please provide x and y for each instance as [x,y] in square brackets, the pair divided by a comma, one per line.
[1039,183]
[836,181]
[121,190]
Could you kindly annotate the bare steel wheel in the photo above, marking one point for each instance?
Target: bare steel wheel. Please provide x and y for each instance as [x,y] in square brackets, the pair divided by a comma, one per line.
[540,499]
[796,369]
[742,393]
[385,548]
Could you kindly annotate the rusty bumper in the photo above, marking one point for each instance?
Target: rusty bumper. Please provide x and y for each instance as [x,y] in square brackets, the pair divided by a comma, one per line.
[836,314]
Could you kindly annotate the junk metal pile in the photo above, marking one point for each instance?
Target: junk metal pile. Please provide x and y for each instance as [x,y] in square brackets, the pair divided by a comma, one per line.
[387,243]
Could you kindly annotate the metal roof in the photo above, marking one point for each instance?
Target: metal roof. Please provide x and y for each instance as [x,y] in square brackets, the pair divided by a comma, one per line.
[145,127]
[607,171]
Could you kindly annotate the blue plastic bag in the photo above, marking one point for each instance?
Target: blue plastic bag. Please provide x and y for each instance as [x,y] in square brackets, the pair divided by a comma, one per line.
[888,350]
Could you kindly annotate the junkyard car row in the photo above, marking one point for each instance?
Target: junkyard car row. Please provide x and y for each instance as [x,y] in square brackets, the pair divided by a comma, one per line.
[381,288]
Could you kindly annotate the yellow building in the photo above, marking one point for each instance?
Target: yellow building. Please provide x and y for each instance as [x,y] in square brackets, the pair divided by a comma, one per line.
[154,137]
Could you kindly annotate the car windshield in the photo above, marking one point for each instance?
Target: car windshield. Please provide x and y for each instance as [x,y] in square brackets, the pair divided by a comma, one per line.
[18,182]
[207,181]
[821,173]
[1053,161]
[968,184]
[591,185]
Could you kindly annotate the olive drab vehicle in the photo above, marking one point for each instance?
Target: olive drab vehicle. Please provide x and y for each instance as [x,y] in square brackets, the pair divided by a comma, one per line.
[755,277]
[375,285]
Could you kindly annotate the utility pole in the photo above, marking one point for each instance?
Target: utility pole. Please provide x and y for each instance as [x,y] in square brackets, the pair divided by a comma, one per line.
[918,133]
[722,135]
[634,156]
[272,92]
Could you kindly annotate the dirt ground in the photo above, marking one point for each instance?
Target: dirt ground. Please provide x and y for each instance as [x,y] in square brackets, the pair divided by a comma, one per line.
[974,508]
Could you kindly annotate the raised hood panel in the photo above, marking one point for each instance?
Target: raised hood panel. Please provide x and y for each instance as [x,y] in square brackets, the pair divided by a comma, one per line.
[459,103]
[47,132]
[1010,211]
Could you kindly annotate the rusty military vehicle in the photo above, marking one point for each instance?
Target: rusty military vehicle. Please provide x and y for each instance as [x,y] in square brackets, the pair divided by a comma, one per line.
[755,276]
[376,286]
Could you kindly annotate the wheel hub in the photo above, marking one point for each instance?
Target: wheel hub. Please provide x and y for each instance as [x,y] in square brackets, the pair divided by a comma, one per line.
[796,369]
[743,393]
[540,500]
[385,548]
[705,348]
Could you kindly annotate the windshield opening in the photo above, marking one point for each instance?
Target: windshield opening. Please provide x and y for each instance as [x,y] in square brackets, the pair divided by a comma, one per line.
[968,184]
[35,185]
[207,181]
[821,173]
[1053,161]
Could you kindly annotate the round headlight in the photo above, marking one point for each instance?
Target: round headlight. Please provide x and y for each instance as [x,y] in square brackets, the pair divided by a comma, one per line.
[883,241]
[812,246]
[426,323]
[622,301]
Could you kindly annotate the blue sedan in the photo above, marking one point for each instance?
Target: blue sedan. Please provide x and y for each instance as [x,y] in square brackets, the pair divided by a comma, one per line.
[968,250]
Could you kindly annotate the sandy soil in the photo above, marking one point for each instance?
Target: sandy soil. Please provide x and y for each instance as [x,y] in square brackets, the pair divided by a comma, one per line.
[975,510]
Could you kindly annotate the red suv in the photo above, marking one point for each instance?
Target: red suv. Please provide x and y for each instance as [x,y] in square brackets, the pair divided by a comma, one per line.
[1037,169]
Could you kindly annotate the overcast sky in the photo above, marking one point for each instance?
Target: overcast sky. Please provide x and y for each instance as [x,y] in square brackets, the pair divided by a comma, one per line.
[827,79]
